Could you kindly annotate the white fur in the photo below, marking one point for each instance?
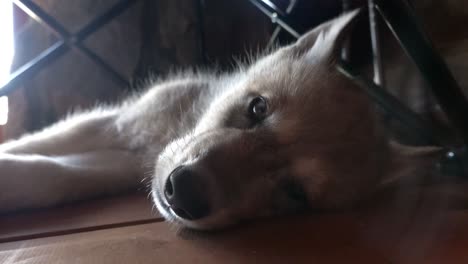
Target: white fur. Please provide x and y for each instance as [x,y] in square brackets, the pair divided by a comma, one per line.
[315,115]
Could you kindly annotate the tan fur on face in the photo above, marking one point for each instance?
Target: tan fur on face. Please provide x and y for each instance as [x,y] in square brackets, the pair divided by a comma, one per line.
[317,145]
[320,134]
[320,145]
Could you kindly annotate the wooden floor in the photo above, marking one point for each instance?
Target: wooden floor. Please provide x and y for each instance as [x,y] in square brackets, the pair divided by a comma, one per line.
[126,230]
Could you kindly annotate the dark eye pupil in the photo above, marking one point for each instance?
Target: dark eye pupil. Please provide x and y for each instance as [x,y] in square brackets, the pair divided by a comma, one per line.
[295,192]
[258,108]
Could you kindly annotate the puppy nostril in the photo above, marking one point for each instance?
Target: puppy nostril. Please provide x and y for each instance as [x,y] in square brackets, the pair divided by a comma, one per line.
[169,189]
[186,194]
[169,186]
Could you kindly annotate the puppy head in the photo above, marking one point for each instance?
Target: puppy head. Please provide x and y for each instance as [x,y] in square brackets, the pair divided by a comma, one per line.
[291,133]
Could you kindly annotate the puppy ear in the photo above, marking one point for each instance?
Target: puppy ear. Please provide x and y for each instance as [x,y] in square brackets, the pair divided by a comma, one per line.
[411,165]
[325,41]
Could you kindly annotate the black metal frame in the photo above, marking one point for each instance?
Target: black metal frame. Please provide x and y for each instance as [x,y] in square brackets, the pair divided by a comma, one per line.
[400,18]
[66,41]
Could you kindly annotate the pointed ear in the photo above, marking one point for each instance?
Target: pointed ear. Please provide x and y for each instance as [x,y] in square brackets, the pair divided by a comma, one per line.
[326,40]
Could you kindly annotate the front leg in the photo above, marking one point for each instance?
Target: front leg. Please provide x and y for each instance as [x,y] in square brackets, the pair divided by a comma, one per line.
[84,132]
[78,158]
[36,181]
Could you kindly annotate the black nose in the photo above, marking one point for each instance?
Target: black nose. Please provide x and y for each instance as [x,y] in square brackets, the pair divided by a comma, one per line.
[186,194]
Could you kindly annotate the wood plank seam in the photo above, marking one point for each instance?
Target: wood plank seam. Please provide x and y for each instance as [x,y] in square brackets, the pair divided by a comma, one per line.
[80,230]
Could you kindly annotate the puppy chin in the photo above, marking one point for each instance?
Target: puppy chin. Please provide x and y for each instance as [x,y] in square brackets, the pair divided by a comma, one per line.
[212,223]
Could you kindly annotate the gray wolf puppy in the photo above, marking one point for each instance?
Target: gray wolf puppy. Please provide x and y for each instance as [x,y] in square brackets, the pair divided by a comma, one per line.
[286,133]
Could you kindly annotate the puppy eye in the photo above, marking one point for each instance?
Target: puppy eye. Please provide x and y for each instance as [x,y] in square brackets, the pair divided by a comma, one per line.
[258,108]
[295,192]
